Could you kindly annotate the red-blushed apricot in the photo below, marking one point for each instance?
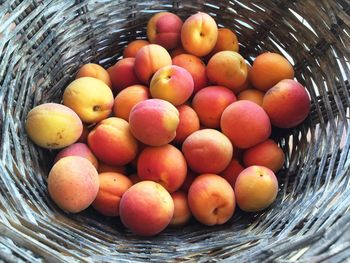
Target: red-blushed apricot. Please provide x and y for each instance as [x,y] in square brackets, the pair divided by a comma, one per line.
[196,67]
[232,171]
[287,104]
[53,126]
[267,154]
[256,188]
[112,187]
[227,68]
[173,84]
[133,47]
[112,142]
[123,75]
[253,95]
[146,208]
[189,123]
[77,149]
[90,98]
[207,151]
[209,104]
[182,213]
[211,199]
[73,183]
[164,29]
[128,98]
[227,40]
[245,123]
[148,60]
[94,71]
[199,34]
[165,165]
[104,168]
[268,69]
[188,181]
[154,122]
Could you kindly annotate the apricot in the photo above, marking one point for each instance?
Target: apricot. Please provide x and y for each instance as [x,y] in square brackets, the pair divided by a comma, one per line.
[148,60]
[123,75]
[154,122]
[245,123]
[199,34]
[146,208]
[253,95]
[207,151]
[268,69]
[128,98]
[133,47]
[196,67]
[267,154]
[227,68]
[77,149]
[256,188]
[164,29]
[232,171]
[165,165]
[112,187]
[182,213]
[90,98]
[173,84]
[73,183]
[112,142]
[227,40]
[287,104]
[247,83]
[53,126]
[94,71]
[211,199]
[210,102]
[104,168]
[188,124]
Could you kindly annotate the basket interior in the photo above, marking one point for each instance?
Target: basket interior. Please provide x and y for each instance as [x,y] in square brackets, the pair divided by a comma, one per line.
[43,44]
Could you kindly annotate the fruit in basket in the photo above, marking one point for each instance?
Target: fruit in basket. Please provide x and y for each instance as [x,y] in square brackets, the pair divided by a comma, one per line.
[232,171]
[112,187]
[146,208]
[133,47]
[182,212]
[256,188]
[253,95]
[199,34]
[164,29]
[245,124]
[227,40]
[173,84]
[188,124]
[148,60]
[112,142]
[267,154]
[128,98]
[164,164]
[287,104]
[94,71]
[268,69]
[227,68]
[90,98]
[123,75]
[77,149]
[73,183]
[196,67]
[53,126]
[211,199]
[154,122]
[210,102]
[207,151]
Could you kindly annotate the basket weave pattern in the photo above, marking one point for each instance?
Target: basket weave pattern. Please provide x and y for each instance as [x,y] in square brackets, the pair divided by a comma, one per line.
[43,43]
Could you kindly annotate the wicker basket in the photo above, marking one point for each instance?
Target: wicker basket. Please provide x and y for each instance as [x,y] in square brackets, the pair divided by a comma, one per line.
[43,43]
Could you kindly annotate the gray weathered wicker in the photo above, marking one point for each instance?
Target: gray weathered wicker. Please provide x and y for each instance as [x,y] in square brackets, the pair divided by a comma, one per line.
[42,44]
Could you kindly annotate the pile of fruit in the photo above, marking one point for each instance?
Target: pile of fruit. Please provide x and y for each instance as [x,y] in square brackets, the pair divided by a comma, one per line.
[179,127]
